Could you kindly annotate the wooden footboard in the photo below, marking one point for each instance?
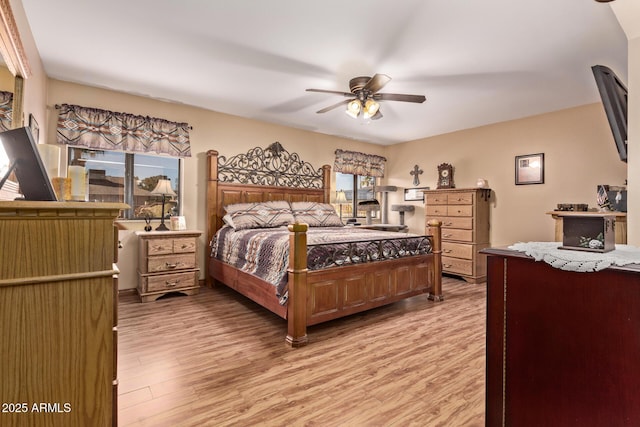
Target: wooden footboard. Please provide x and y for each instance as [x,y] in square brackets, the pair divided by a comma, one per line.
[323,295]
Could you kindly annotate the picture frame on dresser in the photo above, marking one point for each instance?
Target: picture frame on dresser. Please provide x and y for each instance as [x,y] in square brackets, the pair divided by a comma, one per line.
[414,194]
[530,169]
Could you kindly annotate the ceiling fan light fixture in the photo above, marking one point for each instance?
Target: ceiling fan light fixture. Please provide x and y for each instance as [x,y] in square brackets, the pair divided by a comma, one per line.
[353,108]
[371,107]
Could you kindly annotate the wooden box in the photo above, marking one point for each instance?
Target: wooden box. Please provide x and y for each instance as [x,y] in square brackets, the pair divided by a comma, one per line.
[593,233]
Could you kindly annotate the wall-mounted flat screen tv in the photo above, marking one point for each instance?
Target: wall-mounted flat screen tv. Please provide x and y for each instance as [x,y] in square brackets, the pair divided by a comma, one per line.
[614,99]
[25,162]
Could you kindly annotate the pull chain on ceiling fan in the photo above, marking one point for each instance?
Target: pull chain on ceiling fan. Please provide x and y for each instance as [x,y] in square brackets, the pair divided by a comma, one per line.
[365,90]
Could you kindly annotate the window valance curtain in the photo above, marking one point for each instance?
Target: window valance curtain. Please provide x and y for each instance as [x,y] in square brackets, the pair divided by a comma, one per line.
[106,130]
[6,110]
[359,163]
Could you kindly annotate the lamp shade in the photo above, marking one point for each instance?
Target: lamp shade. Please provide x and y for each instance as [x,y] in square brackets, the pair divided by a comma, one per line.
[341,197]
[370,108]
[163,188]
[353,108]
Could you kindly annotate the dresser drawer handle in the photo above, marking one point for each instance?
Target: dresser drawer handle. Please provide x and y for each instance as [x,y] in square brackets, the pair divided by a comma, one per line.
[447,235]
[448,223]
[447,251]
[184,246]
[447,265]
[170,265]
[173,284]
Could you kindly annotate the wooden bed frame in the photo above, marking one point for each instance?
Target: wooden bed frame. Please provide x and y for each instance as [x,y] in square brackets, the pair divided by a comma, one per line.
[322,295]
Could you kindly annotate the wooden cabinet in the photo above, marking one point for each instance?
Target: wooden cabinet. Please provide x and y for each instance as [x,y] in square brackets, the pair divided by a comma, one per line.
[464,214]
[58,313]
[562,346]
[167,262]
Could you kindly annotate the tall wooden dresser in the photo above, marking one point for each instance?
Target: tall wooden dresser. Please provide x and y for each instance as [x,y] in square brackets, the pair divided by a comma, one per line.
[464,213]
[58,313]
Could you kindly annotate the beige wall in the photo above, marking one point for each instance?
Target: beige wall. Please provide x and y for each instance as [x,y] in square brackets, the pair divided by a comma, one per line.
[633,139]
[628,14]
[35,86]
[579,154]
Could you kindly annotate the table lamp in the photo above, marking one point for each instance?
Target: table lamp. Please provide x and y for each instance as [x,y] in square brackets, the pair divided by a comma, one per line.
[163,188]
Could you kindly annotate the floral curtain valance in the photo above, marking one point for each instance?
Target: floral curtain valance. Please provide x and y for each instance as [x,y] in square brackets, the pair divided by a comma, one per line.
[359,163]
[107,130]
[6,110]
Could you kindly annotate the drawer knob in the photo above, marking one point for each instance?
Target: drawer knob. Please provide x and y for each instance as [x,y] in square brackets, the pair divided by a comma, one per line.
[448,223]
[447,251]
[184,246]
[447,235]
[168,265]
[446,265]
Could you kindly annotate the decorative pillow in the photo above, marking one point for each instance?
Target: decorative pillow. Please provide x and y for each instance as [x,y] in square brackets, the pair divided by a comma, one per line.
[316,214]
[228,220]
[259,215]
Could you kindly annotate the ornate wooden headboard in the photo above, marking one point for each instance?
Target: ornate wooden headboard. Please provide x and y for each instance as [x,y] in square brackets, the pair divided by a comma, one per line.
[261,175]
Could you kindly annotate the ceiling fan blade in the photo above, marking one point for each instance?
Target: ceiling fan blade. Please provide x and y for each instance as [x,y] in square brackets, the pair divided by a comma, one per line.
[337,92]
[376,83]
[377,115]
[399,97]
[331,107]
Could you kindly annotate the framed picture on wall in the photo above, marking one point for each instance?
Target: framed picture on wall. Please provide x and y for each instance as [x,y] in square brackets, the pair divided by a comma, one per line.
[414,194]
[530,169]
[35,129]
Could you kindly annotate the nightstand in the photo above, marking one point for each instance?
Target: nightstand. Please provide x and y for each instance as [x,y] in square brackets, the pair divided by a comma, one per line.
[167,262]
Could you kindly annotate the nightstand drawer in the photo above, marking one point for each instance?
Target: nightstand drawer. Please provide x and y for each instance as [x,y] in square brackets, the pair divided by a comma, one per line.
[167,282]
[159,247]
[184,245]
[170,262]
[457,250]
[458,266]
[455,234]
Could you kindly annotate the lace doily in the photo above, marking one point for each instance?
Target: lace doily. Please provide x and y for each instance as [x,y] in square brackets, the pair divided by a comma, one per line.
[578,260]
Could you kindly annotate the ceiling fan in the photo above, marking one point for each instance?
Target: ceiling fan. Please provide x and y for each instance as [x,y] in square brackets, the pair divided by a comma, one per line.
[364,97]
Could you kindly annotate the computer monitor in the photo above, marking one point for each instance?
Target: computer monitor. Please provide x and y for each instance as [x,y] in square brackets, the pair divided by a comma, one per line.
[25,162]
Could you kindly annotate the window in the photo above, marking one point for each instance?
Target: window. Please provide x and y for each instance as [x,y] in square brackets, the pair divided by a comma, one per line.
[124,177]
[356,188]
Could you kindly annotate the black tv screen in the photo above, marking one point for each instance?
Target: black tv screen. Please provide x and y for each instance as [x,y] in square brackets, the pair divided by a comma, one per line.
[25,159]
[614,99]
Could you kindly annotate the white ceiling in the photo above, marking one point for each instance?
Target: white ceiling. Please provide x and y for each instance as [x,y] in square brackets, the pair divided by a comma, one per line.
[477,62]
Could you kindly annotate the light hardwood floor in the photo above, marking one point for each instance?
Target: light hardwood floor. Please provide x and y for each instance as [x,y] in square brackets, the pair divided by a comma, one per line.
[217,359]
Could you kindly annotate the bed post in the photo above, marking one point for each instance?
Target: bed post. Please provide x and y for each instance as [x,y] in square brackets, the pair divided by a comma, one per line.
[297,303]
[212,205]
[436,233]
[326,183]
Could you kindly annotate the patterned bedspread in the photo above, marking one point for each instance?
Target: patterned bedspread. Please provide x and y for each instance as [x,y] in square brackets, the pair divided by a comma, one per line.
[264,252]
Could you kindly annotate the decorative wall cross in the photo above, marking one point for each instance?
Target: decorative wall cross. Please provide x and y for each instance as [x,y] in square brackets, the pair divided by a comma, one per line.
[415,172]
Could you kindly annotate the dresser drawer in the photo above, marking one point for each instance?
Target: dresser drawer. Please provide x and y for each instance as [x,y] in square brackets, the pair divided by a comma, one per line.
[436,199]
[457,266]
[460,210]
[436,210]
[454,222]
[460,199]
[184,245]
[170,262]
[167,282]
[457,250]
[456,234]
